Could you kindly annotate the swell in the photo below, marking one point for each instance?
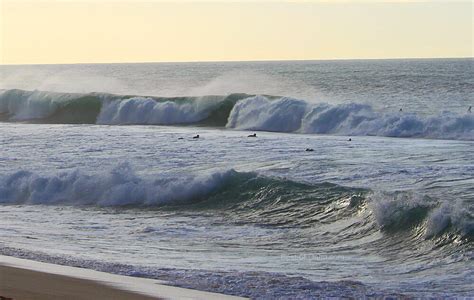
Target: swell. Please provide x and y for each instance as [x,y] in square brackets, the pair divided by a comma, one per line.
[247,198]
[237,111]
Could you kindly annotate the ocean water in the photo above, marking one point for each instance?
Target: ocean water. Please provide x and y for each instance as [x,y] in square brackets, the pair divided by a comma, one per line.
[99,169]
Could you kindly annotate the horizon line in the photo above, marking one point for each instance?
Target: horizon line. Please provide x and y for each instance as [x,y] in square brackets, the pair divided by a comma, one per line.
[236,61]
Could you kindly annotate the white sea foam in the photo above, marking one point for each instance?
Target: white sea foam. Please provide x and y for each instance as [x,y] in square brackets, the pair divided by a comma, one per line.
[397,211]
[253,113]
[140,110]
[116,187]
[260,113]
[449,214]
[294,115]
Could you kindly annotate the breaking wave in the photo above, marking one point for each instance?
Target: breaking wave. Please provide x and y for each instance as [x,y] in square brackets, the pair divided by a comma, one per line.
[243,198]
[120,186]
[405,210]
[100,108]
[293,115]
[239,111]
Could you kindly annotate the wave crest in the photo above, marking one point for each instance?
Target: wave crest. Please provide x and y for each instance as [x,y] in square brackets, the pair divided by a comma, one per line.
[294,115]
[237,111]
[139,110]
[93,108]
[242,197]
[402,211]
[261,113]
[120,186]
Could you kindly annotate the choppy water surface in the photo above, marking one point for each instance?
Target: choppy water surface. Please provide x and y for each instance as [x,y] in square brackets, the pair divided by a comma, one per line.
[257,217]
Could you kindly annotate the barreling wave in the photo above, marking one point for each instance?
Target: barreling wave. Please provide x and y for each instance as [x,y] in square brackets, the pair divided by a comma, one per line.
[101,108]
[243,198]
[238,111]
[49,107]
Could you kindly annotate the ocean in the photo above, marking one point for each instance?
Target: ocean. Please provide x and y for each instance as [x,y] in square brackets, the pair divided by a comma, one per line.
[359,182]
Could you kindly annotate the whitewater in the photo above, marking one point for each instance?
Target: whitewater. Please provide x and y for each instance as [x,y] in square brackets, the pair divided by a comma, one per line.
[235,111]
[99,169]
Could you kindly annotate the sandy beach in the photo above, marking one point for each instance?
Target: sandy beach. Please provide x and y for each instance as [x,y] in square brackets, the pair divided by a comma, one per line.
[16,283]
[29,280]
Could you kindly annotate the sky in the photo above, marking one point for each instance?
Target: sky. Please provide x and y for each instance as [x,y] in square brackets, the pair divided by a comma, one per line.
[105,31]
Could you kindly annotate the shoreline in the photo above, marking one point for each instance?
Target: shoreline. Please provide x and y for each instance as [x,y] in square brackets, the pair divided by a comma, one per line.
[23,279]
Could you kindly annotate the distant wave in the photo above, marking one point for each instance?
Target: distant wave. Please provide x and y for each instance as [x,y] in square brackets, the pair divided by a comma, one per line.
[101,108]
[239,111]
[206,110]
[293,115]
[243,198]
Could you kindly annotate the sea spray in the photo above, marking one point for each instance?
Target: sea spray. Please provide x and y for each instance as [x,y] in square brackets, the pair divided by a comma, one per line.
[244,197]
[260,113]
[237,111]
[119,186]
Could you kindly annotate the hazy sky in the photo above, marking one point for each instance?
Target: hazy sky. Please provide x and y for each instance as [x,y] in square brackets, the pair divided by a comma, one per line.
[145,31]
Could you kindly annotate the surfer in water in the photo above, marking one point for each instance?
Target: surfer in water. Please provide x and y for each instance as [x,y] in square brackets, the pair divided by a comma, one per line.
[196,136]
[400,110]
[469,109]
[252,135]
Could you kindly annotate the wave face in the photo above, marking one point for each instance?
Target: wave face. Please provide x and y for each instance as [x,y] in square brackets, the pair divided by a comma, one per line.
[405,210]
[242,197]
[293,115]
[239,111]
[117,187]
[138,110]
[95,108]
[48,107]
[207,110]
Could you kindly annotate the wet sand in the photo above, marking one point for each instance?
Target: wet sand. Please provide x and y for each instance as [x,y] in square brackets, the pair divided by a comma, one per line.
[21,284]
[22,279]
